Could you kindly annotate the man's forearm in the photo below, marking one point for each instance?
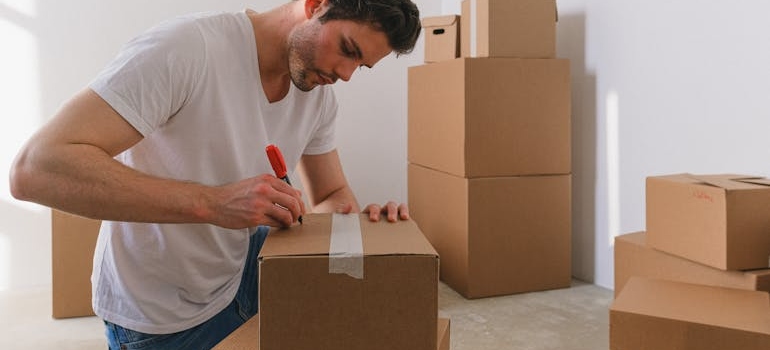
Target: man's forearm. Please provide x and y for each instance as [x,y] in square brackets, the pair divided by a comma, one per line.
[341,200]
[84,180]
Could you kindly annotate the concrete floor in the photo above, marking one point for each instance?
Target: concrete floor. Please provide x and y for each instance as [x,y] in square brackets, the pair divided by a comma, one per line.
[566,319]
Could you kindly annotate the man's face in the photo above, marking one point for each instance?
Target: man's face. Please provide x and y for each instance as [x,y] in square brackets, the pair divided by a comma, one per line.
[320,54]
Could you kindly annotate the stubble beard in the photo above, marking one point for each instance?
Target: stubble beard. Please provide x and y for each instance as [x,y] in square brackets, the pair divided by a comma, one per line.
[301,56]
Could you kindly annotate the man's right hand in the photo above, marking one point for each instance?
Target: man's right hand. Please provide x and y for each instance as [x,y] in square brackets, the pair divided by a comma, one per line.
[262,200]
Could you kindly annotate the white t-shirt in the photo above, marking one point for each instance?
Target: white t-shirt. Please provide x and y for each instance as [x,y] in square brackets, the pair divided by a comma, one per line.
[191,87]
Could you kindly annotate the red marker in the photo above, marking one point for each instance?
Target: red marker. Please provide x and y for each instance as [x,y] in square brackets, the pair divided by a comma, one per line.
[279,165]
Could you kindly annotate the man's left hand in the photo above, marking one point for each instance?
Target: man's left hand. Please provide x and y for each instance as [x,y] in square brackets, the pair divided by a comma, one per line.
[392,211]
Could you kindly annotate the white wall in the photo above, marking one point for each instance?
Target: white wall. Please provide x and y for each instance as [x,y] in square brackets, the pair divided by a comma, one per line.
[680,86]
[51,49]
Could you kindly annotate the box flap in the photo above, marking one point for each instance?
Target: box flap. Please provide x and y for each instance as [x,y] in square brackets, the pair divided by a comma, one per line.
[762,181]
[730,181]
[439,21]
[313,237]
[721,307]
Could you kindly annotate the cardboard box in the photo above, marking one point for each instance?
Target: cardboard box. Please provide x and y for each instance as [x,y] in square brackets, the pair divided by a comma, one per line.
[73,240]
[394,305]
[442,38]
[495,236]
[717,220]
[246,337]
[487,117]
[633,257]
[509,28]
[665,315]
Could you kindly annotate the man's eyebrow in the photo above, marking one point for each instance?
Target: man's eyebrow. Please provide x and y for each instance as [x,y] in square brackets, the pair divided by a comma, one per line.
[357,50]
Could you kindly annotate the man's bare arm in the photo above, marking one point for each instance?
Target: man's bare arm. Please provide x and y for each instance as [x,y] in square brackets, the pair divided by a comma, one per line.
[68,164]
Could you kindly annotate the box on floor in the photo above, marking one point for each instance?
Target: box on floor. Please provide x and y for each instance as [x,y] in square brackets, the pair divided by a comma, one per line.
[246,337]
[442,38]
[483,117]
[715,220]
[667,315]
[73,239]
[633,257]
[497,235]
[350,284]
[509,28]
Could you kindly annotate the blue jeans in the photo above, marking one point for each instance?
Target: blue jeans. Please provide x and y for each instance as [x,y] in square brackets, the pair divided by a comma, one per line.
[211,332]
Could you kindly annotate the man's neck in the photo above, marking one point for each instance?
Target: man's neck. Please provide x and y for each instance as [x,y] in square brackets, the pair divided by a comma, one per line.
[271,30]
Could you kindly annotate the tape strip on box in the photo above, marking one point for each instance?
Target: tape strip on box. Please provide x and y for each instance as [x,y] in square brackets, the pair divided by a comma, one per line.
[346,249]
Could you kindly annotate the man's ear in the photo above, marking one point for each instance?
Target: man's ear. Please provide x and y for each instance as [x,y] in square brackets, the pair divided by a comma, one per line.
[313,6]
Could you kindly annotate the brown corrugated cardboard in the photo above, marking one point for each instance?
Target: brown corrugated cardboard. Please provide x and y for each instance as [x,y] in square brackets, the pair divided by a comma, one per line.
[73,241]
[442,38]
[665,315]
[246,337]
[498,235]
[394,306]
[633,257]
[509,28]
[484,117]
[716,220]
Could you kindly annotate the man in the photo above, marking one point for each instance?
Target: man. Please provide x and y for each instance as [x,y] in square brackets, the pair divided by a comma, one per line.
[166,146]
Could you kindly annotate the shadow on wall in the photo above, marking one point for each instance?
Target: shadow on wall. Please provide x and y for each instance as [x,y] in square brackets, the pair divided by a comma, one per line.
[571,44]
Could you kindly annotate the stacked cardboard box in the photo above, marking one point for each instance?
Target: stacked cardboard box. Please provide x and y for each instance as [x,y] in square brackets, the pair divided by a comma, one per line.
[73,239]
[698,278]
[247,336]
[318,291]
[489,151]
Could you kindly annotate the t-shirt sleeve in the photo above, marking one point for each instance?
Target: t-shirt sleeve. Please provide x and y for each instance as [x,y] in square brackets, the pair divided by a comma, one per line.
[322,140]
[154,74]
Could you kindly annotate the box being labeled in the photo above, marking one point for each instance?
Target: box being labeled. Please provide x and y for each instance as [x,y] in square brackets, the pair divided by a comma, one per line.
[665,315]
[73,239]
[246,337]
[486,117]
[633,257]
[495,236]
[508,28]
[343,282]
[717,220]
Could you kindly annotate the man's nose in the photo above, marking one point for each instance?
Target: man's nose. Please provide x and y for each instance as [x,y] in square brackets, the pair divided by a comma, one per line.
[346,69]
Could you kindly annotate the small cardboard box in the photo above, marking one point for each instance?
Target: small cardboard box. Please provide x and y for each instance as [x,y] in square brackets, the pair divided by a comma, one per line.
[633,257]
[495,236]
[487,117]
[509,28]
[665,315]
[343,282]
[73,240]
[442,38]
[246,337]
[717,220]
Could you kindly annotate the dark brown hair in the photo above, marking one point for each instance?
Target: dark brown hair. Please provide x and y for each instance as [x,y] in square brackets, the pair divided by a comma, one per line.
[398,19]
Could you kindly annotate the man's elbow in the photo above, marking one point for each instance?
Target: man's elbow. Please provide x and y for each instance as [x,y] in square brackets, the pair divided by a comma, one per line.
[20,179]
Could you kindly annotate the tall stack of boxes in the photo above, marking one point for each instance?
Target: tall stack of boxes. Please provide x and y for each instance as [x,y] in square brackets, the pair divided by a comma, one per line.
[698,278]
[489,152]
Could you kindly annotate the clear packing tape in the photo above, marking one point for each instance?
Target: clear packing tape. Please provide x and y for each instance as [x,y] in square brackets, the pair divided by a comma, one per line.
[346,249]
